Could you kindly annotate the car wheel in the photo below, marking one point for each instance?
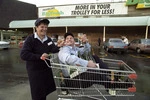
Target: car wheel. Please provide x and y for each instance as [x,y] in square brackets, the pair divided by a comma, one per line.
[138,50]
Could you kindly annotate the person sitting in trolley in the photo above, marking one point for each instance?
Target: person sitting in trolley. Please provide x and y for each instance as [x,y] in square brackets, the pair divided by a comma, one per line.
[68,55]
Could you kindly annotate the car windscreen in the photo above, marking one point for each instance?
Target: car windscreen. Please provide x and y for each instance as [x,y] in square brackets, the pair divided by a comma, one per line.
[147,41]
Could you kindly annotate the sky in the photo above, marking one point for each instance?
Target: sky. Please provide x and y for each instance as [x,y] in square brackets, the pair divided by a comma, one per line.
[62,2]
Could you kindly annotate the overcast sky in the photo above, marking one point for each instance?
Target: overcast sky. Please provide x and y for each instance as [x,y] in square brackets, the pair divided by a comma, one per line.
[61,2]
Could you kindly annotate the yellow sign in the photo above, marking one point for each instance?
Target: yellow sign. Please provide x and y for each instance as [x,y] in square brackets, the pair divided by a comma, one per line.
[140,3]
[51,13]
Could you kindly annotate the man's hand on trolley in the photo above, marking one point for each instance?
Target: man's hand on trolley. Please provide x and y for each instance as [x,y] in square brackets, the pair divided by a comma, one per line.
[44,56]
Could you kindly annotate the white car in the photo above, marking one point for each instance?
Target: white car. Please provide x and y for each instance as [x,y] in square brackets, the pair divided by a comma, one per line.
[4,45]
[115,44]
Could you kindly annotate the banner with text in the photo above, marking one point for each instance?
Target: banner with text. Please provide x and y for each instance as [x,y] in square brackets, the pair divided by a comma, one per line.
[83,10]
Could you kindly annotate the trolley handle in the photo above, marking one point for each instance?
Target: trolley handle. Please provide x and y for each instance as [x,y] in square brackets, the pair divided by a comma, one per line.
[45,59]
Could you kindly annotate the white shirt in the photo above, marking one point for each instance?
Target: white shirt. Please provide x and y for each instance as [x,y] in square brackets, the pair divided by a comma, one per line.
[69,55]
[36,36]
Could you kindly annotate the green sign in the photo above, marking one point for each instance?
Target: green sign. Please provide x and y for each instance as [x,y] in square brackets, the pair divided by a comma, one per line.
[140,3]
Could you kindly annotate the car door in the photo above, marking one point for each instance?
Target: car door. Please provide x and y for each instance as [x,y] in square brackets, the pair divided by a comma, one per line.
[140,44]
[133,44]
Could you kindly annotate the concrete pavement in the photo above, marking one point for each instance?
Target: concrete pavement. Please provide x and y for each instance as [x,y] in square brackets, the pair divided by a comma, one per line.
[21,92]
[14,80]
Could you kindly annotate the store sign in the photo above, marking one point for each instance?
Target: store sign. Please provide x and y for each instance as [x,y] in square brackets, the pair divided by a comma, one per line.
[139,3]
[83,10]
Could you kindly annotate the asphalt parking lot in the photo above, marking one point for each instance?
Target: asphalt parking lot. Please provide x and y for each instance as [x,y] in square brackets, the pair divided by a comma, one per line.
[14,83]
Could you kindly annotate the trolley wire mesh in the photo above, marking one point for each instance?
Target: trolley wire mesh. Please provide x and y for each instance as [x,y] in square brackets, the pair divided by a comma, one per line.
[120,82]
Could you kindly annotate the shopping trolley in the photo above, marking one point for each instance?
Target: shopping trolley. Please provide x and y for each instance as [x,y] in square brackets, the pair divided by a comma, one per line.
[120,86]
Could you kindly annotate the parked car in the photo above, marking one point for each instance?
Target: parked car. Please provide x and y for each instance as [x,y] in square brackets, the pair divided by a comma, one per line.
[140,45]
[115,44]
[4,45]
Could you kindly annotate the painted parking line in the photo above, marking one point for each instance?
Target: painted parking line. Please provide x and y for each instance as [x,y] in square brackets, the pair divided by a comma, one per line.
[140,56]
[146,56]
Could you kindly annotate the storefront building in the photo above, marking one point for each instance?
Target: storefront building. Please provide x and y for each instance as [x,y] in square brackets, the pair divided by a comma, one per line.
[104,20]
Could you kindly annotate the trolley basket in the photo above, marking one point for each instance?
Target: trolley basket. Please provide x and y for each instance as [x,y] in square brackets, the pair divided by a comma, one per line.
[90,83]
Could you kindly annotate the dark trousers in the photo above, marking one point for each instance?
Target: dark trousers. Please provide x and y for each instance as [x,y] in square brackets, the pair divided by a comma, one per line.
[42,98]
[101,63]
[84,79]
[90,77]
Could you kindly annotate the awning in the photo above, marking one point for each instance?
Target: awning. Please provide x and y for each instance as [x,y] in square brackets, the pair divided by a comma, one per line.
[148,22]
[76,22]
